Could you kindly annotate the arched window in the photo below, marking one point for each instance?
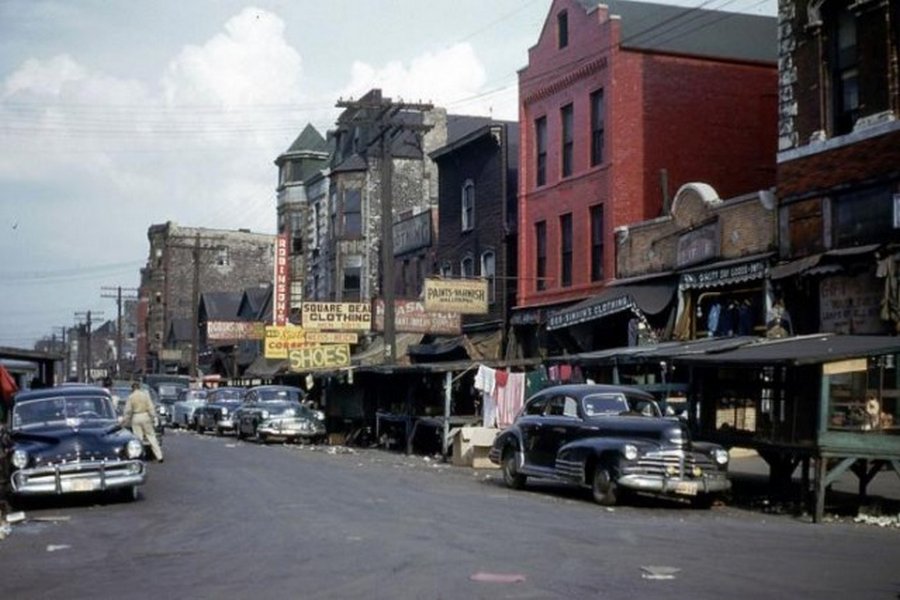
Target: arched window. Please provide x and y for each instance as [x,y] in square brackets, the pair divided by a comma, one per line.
[446,269]
[489,272]
[468,205]
[467,267]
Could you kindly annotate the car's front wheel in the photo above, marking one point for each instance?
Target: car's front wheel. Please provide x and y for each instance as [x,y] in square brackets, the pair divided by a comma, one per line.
[603,486]
[511,476]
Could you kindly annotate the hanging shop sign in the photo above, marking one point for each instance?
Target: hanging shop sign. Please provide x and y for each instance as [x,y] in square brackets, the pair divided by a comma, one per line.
[280,340]
[331,337]
[589,312]
[464,296]
[326,356]
[220,331]
[412,233]
[281,288]
[340,316]
[410,316]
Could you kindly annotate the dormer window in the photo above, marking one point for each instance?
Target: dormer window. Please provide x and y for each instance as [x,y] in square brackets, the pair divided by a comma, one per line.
[562,29]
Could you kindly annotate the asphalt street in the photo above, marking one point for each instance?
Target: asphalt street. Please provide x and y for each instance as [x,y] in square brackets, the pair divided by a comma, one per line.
[239,520]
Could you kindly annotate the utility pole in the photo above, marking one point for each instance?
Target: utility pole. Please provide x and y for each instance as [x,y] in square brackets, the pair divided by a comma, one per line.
[196,250]
[388,128]
[86,328]
[132,295]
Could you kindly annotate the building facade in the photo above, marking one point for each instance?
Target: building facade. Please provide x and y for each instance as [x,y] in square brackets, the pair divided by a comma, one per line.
[477,216]
[839,165]
[183,263]
[297,210]
[620,103]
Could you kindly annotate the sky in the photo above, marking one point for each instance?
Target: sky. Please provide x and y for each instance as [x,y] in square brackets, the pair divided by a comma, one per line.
[119,114]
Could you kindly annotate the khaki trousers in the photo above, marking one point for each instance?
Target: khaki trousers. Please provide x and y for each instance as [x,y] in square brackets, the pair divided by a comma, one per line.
[142,427]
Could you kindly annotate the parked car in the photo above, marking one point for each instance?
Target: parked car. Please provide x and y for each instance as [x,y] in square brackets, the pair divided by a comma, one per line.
[277,413]
[120,392]
[167,391]
[218,412]
[68,440]
[189,400]
[612,440]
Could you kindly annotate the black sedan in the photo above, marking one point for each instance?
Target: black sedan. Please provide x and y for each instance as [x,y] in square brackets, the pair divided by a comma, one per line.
[69,440]
[612,440]
[277,413]
[218,413]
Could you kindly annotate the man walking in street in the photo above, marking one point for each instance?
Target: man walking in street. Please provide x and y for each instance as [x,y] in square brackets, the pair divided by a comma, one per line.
[140,415]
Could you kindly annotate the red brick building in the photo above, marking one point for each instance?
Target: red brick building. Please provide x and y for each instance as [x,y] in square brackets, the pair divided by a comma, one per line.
[620,105]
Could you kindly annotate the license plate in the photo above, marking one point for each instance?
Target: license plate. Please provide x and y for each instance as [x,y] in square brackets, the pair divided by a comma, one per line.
[688,488]
[78,485]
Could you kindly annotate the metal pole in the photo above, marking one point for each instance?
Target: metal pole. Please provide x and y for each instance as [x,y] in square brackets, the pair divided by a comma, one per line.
[448,393]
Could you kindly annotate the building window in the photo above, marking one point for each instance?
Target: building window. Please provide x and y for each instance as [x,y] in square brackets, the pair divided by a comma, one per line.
[565,228]
[489,272]
[467,267]
[568,141]
[845,73]
[540,140]
[352,225]
[597,242]
[468,205]
[540,235]
[446,269]
[864,216]
[351,290]
[562,29]
[317,225]
[597,128]
[296,233]
[222,257]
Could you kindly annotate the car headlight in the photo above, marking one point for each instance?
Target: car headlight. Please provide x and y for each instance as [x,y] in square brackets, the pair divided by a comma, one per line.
[721,456]
[265,414]
[134,449]
[20,459]
[224,412]
[631,451]
[319,415]
[162,410]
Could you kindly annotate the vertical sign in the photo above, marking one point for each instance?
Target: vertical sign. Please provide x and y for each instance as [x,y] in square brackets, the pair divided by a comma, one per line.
[281,290]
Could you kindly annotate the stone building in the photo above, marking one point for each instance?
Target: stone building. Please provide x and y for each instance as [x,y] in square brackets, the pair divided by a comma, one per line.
[183,263]
[839,165]
[621,103]
[355,177]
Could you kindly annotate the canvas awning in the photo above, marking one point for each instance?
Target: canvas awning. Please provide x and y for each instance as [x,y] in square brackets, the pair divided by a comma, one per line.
[800,350]
[650,299]
[819,264]
[726,272]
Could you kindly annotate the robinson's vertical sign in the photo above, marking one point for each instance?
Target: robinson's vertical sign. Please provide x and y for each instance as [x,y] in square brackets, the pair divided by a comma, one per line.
[282,282]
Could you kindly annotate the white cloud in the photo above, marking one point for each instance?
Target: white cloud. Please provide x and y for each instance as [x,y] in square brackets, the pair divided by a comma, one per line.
[249,63]
[451,78]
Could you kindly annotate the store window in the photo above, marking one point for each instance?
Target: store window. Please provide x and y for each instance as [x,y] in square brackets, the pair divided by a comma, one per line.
[863,395]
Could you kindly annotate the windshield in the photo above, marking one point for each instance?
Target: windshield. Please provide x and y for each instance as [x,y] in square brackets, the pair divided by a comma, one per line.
[274,395]
[596,405]
[62,410]
[226,395]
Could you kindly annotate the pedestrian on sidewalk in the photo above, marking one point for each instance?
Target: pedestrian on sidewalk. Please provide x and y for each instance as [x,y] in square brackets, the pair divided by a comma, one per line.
[140,416]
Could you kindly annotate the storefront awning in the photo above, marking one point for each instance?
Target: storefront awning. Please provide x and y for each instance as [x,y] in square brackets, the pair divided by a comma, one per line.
[818,264]
[726,272]
[650,299]
[800,350]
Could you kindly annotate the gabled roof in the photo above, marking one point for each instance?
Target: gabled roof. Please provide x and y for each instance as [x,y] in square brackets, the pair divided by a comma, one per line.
[253,302]
[220,306]
[180,330]
[460,126]
[695,31]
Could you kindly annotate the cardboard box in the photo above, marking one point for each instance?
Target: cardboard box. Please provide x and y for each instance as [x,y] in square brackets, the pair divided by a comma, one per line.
[471,446]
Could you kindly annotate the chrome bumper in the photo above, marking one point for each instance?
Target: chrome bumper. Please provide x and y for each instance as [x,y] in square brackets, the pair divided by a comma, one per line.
[677,486]
[85,476]
[289,428]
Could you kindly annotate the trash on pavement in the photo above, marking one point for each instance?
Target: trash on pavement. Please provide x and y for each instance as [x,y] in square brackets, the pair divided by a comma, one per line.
[498,577]
[55,547]
[651,572]
[15,517]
